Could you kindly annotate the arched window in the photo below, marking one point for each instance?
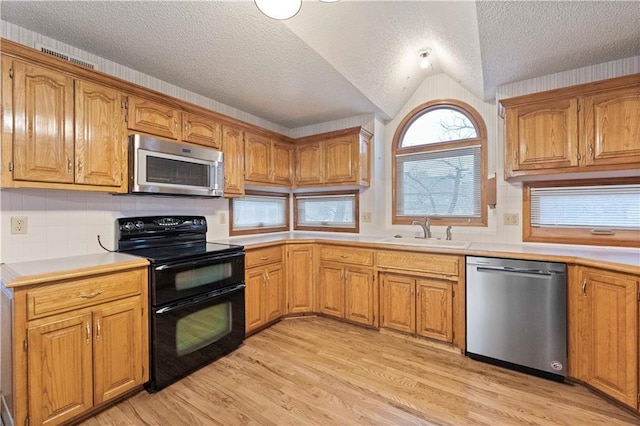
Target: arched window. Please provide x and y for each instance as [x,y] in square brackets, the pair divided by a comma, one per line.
[439,165]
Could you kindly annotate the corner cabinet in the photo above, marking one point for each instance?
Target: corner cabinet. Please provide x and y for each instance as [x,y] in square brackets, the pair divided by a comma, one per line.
[587,128]
[347,286]
[267,162]
[60,132]
[77,344]
[300,278]
[336,158]
[607,332]
[265,287]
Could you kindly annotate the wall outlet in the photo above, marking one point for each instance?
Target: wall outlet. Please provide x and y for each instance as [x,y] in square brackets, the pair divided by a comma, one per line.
[18,224]
[223,218]
[511,219]
[366,216]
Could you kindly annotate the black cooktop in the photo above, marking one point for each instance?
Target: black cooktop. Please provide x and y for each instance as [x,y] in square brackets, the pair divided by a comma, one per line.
[163,239]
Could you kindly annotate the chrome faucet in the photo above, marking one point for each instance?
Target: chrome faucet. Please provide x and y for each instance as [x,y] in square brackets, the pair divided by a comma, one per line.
[426,229]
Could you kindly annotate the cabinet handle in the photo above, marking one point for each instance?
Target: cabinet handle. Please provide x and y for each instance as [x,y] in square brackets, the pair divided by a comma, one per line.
[584,287]
[90,295]
[175,125]
[98,329]
[344,256]
[265,257]
[69,166]
[88,328]
[590,151]
[80,166]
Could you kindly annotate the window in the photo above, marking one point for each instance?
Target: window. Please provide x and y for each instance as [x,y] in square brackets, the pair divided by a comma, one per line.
[439,165]
[605,212]
[259,212]
[326,211]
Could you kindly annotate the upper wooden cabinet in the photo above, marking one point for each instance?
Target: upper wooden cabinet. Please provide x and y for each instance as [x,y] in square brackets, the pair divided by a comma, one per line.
[167,121]
[233,149]
[592,127]
[66,134]
[267,162]
[335,158]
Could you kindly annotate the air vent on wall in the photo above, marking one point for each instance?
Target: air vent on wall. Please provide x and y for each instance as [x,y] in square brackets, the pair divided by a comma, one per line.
[64,56]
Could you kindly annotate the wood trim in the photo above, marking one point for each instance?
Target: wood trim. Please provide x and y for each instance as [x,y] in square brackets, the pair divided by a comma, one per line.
[334,134]
[574,91]
[234,232]
[356,229]
[622,238]
[475,116]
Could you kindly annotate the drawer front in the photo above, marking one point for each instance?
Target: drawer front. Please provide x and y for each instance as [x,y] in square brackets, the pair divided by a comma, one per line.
[430,263]
[263,256]
[79,293]
[347,255]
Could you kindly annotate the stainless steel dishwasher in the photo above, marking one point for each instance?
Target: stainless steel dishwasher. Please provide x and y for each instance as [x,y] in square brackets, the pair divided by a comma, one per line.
[517,314]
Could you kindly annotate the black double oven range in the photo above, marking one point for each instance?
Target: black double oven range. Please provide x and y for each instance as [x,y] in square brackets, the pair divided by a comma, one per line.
[196,292]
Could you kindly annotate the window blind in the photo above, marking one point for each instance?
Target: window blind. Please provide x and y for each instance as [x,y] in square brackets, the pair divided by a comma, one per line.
[326,210]
[439,183]
[603,206]
[258,211]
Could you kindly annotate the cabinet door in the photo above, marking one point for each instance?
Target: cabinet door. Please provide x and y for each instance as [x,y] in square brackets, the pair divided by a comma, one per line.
[43,125]
[360,296]
[309,164]
[332,290]
[274,294]
[341,160]
[153,118]
[60,369]
[435,309]
[282,162]
[257,160]
[610,342]
[612,128]
[100,137]
[300,288]
[253,296]
[233,149]
[542,135]
[398,302]
[364,174]
[117,350]
[201,130]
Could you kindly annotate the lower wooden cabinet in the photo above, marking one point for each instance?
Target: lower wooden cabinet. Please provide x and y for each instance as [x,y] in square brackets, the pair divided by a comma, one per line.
[348,292]
[76,345]
[607,322]
[300,279]
[417,305]
[265,287]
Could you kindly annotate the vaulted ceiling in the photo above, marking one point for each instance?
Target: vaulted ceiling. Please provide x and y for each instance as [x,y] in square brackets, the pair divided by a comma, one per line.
[337,60]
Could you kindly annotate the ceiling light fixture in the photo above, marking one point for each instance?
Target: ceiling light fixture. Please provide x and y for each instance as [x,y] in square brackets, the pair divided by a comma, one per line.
[279,9]
[424,58]
[282,9]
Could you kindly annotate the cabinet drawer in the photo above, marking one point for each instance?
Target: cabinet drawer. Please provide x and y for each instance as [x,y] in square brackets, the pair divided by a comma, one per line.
[263,256]
[430,263]
[347,255]
[79,293]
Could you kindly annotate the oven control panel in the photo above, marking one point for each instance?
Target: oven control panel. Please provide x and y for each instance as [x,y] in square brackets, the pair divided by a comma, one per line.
[143,226]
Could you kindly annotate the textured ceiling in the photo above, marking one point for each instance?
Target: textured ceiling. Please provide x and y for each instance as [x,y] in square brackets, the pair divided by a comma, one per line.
[336,60]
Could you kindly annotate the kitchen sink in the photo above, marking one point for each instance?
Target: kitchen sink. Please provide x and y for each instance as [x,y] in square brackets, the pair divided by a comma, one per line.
[429,242]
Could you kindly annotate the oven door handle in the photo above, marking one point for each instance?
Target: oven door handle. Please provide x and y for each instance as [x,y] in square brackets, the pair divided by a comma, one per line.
[211,295]
[199,262]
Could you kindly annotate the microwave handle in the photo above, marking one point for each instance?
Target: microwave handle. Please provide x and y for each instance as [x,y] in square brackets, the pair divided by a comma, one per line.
[213,178]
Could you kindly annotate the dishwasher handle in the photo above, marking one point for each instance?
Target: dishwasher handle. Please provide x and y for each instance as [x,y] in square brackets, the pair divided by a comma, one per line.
[522,271]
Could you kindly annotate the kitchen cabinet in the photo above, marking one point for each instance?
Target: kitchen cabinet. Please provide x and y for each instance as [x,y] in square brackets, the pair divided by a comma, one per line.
[169,122]
[233,150]
[607,332]
[265,287]
[267,162]
[587,128]
[78,343]
[347,287]
[417,294]
[67,134]
[300,278]
[336,158]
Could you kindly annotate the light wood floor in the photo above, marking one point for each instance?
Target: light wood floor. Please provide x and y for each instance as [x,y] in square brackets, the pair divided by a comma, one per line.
[316,371]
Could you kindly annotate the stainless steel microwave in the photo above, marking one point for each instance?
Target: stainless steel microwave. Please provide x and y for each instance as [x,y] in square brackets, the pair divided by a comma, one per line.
[162,167]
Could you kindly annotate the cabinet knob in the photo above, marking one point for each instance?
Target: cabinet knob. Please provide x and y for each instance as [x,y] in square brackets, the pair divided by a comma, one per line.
[344,256]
